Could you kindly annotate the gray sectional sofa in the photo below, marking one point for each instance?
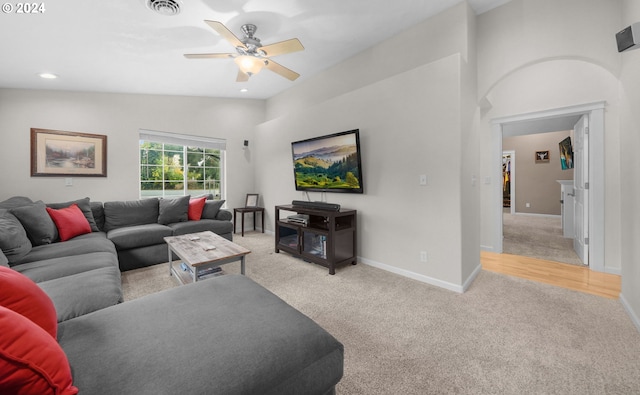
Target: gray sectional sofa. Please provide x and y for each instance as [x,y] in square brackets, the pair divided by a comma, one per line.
[226,335]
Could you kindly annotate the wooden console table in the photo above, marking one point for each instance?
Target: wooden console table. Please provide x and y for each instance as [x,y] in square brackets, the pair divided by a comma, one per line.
[329,238]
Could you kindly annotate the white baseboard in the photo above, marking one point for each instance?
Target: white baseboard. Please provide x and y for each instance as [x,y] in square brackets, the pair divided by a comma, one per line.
[613,270]
[417,276]
[629,310]
[539,215]
[471,278]
[487,248]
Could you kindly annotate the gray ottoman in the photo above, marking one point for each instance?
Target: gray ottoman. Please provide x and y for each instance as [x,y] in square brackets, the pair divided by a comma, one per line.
[226,335]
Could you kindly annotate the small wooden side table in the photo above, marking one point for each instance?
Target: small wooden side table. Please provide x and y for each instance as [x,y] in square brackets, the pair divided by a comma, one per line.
[243,211]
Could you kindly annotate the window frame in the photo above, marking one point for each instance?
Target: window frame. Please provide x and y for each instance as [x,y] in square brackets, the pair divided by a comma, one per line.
[185,142]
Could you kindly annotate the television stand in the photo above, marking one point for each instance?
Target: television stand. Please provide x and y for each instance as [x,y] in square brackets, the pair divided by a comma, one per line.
[327,238]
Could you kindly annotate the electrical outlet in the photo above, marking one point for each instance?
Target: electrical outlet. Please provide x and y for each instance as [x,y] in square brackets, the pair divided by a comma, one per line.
[68,182]
[423,179]
[528,205]
[423,256]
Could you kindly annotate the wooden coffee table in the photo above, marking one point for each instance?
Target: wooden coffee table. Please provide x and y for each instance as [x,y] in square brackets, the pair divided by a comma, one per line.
[195,250]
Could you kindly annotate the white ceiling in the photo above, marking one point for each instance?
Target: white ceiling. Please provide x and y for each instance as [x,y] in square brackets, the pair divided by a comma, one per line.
[122,46]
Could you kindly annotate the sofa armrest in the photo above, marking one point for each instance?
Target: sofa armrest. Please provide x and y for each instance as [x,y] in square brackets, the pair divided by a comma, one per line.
[224,215]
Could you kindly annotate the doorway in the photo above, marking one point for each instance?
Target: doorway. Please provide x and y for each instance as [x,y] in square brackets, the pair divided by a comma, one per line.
[553,120]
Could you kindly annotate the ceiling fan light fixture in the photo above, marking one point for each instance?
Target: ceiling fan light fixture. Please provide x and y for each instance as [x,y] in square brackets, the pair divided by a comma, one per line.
[249,65]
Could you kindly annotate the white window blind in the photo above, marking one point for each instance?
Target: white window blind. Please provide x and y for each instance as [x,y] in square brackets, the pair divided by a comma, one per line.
[183,139]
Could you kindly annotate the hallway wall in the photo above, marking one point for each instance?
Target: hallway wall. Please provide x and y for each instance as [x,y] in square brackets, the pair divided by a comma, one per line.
[536,182]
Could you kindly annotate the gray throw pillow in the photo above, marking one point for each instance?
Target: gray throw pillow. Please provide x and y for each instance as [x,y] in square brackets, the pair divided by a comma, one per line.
[84,205]
[37,223]
[14,242]
[174,210]
[15,201]
[211,208]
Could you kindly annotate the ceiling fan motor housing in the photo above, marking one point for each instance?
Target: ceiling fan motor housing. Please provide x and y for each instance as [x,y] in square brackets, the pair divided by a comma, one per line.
[252,43]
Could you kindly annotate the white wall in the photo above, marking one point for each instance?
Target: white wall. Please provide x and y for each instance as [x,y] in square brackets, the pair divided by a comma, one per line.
[119,117]
[630,163]
[539,55]
[441,36]
[405,130]
[413,108]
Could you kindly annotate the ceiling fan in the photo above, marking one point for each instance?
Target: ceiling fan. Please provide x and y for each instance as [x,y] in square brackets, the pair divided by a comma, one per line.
[251,56]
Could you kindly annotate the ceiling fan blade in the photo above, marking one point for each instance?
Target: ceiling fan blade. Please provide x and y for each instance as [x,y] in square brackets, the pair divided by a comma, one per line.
[280,69]
[208,55]
[242,77]
[282,47]
[226,33]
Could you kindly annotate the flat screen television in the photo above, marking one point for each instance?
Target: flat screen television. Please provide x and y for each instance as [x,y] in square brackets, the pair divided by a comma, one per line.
[329,163]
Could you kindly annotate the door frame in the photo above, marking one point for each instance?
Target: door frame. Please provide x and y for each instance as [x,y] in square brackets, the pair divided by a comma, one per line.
[595,112]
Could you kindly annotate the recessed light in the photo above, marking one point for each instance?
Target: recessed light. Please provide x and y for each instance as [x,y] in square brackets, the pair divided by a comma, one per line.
[48,76]
[243,90]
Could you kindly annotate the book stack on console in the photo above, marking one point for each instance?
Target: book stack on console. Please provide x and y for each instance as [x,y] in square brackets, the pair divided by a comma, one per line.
[202,274]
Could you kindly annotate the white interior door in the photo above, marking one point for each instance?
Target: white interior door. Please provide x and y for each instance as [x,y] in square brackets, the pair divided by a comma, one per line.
[581,188]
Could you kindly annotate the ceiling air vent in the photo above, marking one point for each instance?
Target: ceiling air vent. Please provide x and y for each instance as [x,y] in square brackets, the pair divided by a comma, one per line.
[164,7]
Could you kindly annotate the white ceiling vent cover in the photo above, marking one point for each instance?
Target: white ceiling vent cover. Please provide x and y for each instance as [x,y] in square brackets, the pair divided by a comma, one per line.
[164,7]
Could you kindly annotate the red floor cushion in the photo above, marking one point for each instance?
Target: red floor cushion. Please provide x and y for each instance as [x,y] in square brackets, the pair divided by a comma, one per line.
[31,361]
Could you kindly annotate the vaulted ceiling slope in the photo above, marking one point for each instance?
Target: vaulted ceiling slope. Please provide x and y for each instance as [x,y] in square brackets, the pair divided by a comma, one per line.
[124,46]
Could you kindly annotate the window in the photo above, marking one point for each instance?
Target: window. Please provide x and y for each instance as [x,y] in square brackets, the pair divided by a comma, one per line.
[179,165]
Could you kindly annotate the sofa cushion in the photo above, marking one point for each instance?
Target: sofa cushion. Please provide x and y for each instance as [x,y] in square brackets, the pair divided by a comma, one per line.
[211,208]
[245,340]
[31,361]
[3,260]
[173,210]
[13,238]
[217,227]
[70,221]
[85,207]
[195,208]
[129,213]
[90,291]
[37,223]
[139,236]
[20,294]
[90,242]
[49,269]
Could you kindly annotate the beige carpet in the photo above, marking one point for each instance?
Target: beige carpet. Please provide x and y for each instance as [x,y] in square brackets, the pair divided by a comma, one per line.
[503,336]
[537,237]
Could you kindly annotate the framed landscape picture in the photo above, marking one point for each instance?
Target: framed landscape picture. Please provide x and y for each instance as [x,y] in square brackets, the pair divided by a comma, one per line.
[58,153]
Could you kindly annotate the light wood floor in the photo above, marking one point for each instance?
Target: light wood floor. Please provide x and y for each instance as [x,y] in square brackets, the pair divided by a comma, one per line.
[559,274]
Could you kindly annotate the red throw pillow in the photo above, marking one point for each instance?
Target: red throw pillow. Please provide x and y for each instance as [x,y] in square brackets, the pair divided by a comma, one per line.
[195,208]
[20,294]
[31,361]
[70,221]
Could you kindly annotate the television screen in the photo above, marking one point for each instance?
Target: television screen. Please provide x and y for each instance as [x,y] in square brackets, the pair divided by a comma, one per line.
[328,163]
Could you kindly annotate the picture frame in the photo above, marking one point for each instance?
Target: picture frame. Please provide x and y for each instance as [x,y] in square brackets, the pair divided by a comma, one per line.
[56,153]
[542,156]
[566,154]
[252,200]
